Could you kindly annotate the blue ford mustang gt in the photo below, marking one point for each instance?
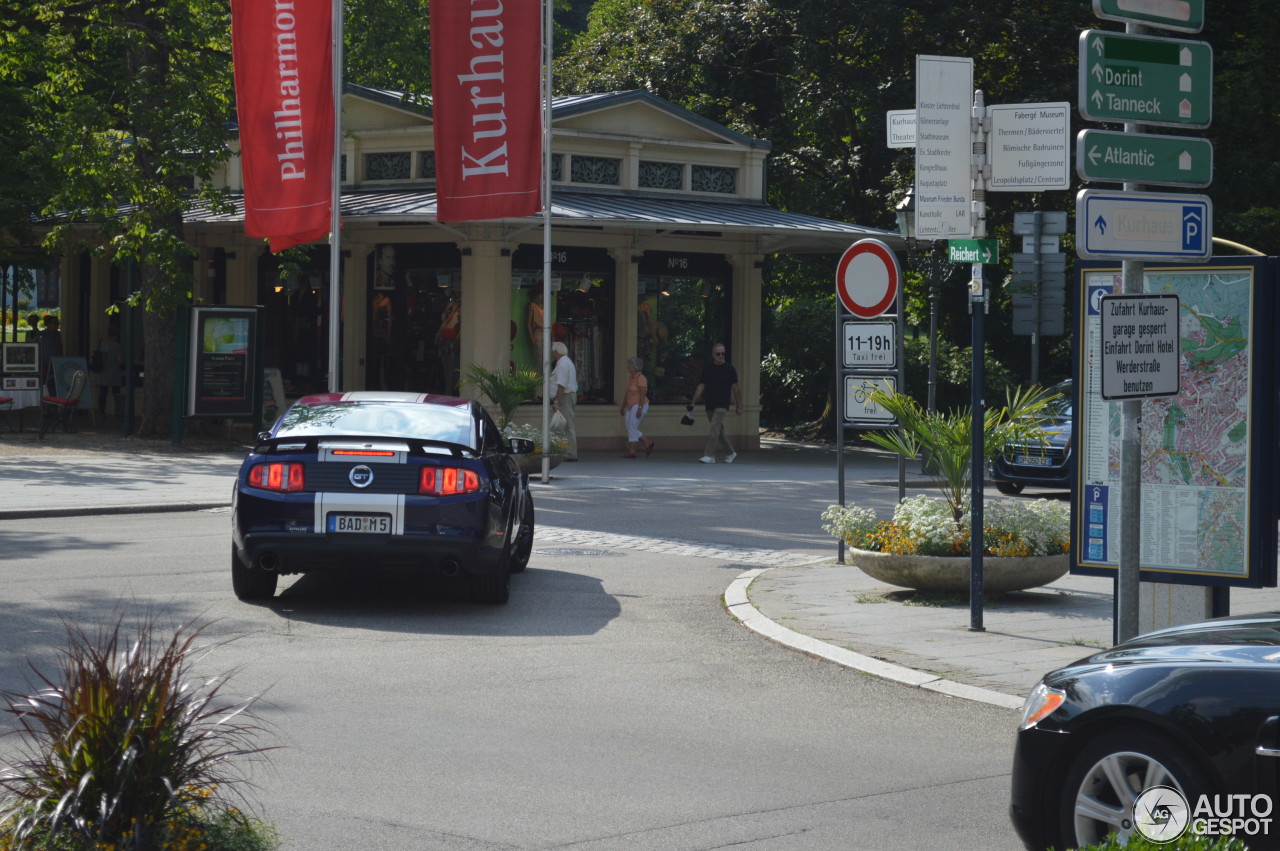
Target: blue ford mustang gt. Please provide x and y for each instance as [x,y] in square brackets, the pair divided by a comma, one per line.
[344,481]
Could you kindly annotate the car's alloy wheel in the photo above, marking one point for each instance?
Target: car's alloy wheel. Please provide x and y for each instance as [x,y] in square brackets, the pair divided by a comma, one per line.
[1010,488]
[1108,776]
[251,583]
[522,547]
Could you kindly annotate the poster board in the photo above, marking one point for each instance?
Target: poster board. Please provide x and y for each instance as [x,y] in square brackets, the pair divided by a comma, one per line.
[1207,455]
[223,362]
[21,358]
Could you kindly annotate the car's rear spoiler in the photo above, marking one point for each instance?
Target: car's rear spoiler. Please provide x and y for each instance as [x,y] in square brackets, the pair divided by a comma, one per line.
[311,443]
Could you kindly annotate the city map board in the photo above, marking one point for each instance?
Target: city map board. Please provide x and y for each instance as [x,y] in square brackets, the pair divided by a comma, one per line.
[1208,515]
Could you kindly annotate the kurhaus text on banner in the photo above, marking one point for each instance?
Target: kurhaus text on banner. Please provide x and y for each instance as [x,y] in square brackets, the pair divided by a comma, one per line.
[282,52]
[485,99]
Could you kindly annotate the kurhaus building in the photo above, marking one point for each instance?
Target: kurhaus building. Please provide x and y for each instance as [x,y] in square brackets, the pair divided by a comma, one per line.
[659,233]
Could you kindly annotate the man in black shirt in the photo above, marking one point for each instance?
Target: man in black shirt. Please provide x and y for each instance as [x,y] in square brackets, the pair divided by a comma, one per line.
[719,382]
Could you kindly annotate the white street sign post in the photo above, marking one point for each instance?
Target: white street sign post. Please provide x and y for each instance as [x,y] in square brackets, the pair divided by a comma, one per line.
[872,345]
[1029,148]
[868,283]
[944,147]
[1144,226]
[900,128]
[859,407]
[1140,346]
[867,278]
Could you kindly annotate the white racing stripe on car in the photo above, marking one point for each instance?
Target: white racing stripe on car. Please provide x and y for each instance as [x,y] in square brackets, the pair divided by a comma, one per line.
[360,503]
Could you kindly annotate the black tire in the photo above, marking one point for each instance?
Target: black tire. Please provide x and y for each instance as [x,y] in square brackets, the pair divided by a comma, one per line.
[1144,759]
[251,583]
[492,589]
[1009,488]
[522,546]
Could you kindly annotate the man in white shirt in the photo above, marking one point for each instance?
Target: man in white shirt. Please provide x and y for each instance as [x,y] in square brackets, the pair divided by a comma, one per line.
[563,388]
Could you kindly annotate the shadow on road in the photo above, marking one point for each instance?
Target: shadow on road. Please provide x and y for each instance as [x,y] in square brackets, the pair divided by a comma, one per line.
[543,603]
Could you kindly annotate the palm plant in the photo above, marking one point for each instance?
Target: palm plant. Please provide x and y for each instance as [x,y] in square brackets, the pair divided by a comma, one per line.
[507,390]
[946,439]
[124,748]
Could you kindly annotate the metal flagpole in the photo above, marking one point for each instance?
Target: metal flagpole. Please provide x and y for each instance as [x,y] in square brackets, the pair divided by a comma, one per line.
[335,217]
[547,8]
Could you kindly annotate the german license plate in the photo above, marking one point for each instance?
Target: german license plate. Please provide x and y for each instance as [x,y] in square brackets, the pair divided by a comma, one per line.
[368,524]
[1032,460]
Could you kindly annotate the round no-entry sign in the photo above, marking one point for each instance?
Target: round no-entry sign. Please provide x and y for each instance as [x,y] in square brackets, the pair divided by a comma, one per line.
[867,278]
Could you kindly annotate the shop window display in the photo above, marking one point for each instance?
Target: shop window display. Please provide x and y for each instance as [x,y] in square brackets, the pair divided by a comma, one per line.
[297,314]
[415,318]
[684,306]
[582,316]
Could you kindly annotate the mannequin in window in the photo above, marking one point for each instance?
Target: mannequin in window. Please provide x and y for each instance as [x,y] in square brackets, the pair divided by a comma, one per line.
[387,268]
[447,341]
[381,314]
[535,322]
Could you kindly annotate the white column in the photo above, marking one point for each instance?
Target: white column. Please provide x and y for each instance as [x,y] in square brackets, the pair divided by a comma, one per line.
[355,307]
[746,354]
[486,306]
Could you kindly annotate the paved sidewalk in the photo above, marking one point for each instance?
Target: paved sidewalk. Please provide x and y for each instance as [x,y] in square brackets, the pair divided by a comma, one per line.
[800,598]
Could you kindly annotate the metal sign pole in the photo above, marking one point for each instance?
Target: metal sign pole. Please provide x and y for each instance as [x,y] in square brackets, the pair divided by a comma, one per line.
[977,309]
[840,406]
[1128,578]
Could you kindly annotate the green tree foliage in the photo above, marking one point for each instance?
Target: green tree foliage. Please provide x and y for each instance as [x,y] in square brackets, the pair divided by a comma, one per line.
[127,105]
[387,44]
[1246,123]
[816,78]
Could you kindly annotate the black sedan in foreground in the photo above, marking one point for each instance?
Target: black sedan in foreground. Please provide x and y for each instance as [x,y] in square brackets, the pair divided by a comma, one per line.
[1174,732]
[346,481]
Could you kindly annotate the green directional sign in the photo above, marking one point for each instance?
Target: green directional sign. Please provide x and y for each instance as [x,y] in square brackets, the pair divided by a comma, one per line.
[1144,158]
[1182,15]
[1147,80]
[973,251]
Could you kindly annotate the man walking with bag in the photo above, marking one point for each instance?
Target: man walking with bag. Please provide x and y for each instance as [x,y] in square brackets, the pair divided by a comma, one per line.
[563,389]
[720,383]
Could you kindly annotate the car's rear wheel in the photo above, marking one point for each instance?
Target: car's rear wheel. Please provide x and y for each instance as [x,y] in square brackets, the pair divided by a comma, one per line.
[1009,488]
[1110,774]
[251,583]
[522,547]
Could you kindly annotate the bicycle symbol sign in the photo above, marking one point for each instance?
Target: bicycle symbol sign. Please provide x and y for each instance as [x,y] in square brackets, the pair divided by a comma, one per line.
[859,406]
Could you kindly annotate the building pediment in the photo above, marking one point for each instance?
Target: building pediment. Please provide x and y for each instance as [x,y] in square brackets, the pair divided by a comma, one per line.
[365,109]
[639,114]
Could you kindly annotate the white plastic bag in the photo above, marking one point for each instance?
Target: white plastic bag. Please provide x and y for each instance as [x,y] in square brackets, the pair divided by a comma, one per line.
[558,422]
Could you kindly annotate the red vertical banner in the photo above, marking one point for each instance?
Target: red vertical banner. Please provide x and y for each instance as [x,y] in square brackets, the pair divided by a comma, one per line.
[282,52]
[486,108]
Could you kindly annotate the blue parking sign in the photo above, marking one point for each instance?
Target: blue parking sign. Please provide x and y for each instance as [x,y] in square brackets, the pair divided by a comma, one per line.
[1193,228]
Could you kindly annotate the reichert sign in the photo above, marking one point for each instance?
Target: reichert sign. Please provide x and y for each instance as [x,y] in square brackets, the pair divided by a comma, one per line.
[282,52]
[485,60]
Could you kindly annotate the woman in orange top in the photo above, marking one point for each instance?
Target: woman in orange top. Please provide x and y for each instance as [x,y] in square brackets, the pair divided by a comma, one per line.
[634,406]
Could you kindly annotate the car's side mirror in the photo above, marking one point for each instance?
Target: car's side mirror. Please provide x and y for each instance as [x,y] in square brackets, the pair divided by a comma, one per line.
[521,445]
[264,435]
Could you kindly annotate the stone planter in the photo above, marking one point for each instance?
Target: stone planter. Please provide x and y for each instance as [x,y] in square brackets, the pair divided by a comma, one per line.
[951,573]
[531,464]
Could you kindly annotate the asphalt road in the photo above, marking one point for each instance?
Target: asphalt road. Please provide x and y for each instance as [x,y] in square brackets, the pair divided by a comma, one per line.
[612,704]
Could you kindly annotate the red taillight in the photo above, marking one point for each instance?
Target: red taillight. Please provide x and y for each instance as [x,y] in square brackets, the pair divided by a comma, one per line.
[281,477]
[448,481]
